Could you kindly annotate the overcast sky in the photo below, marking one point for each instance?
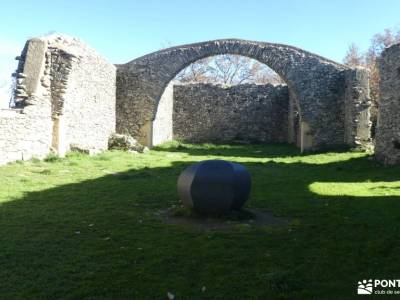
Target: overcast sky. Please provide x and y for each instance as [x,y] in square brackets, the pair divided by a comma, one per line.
[121,29]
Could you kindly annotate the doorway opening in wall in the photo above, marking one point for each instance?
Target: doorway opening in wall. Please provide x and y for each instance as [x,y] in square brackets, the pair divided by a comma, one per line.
[227,98]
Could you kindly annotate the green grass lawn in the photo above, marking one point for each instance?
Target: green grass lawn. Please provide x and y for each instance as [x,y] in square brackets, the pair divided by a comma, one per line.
[88,227]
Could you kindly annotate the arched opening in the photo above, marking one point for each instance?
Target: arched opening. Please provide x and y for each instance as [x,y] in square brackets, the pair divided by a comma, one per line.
[225,98]
[316,86]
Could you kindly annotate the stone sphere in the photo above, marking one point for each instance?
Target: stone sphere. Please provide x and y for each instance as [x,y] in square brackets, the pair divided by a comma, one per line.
[214,186]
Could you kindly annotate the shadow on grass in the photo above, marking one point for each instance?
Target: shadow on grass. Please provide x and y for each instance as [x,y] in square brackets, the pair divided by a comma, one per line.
[102,238]
[231,150]
[258,150]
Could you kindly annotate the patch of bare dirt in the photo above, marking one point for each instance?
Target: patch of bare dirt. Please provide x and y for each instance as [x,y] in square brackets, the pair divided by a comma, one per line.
[246,218]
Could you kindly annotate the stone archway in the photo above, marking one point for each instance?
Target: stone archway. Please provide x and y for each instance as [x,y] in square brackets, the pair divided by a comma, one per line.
[316,83]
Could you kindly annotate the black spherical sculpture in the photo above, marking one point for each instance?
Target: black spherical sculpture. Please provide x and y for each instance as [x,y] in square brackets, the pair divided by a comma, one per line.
[214,186]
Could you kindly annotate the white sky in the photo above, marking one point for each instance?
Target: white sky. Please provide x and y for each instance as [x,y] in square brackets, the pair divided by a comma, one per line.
[8,51]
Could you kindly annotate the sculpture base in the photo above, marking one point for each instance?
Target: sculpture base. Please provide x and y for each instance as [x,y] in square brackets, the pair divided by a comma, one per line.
[233,220]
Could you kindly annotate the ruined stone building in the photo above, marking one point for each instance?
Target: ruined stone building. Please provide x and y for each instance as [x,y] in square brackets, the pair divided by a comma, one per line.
[387,146]
[67,96]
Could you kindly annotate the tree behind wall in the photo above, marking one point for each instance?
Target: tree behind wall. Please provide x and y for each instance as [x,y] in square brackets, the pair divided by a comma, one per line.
[369,59]
[228,69]
[354,57]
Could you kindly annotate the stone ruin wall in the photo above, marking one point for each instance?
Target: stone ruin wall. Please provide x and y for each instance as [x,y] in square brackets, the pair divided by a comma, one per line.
[357,108]
[387,143]
[294,136]
[198,110]
[64,97]
[162,126]
[317,85]
[86,118]
[248,112]
[25,133]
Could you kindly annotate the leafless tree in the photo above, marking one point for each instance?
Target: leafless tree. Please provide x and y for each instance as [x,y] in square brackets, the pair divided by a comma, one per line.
[354,57]
[264,74]
[369,58]
[378,43]
[195,72]
[229,70]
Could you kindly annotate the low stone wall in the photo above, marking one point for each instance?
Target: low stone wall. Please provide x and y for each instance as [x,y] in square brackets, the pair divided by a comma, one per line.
[25,133]
[387,144]
[64,97]
[206,112]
